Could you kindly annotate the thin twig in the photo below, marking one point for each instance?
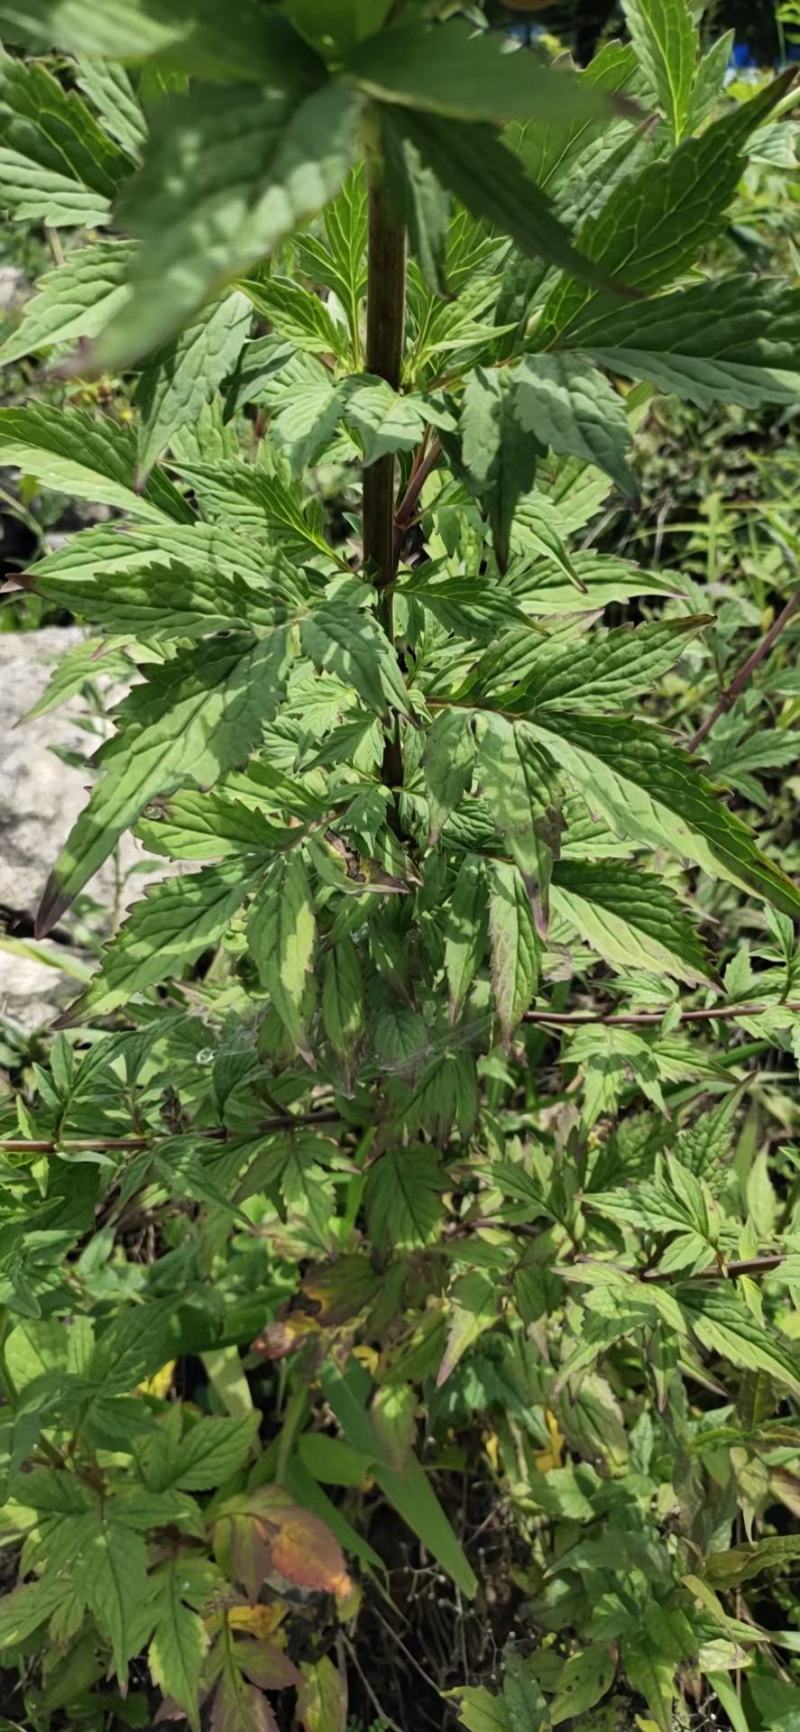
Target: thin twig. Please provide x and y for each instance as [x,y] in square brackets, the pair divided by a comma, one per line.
[424,466]
[385,1719]
[220,1134]
[715,1272]
[727,698]
[651,1018]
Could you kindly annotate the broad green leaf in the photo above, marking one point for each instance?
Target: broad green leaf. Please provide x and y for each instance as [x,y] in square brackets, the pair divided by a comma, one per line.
[605,669]
[741,1563]
[186,33]
[350,643]
[499,462]
[278,155]
[88,456]
[663,34]
[180,1643]
[650,791]
[513,945]
[584,1679]
[237,492]
[109,1569]
[382,419]
[322,1696]
[411,1492]
[469,159]
[171,926]
[422,203]
[174,387]
[102,555]
[198,715]
[296,314]
[56,163]
[654,223]
[631,918]
[339,23]
[74,300]
[571,407]
[653,1675]
[541,589]
[454,70]
[170,600]
[465,931]
[520,784]
[281,933]
[722,1323]
[551,149]
[343,997]
[403,1199]
[449,764]
[27,1607]
[733,341]
[474,1308]
[208,1453]
[110,90]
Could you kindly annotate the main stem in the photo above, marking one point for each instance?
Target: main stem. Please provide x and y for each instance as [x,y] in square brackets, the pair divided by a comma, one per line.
[386,295]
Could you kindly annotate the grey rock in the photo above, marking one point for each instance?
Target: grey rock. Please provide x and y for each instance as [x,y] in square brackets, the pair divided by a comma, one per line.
[40,799]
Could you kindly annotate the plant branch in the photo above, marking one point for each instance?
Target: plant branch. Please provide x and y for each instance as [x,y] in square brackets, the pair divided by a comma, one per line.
[424,464]
[727,699]
[719,1271]
[651,1018]
[219,1134]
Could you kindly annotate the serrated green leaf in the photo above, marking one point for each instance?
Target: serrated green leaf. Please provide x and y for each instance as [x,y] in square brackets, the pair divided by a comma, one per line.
[663,34]
[343,996]
[199,714]
[449,764]
[110,90]
[456,71]
[520,784]
[210,1451]
[281,933]
[57,165]
[631,918]
[180,1642]
[513,945]
[403,1199]
[653,1675]
[654,223]
[170,601]
[169,928]
[584,1679]
[279,155]
[296,314]
[88,456]
[651,791]
[186,33]
[723,1324]
[606,668]
[741,1563]
[466,926]
[733,341]
[571,407]
[500,463]
[174,387]
[109,1569]
[350,643]
[469,159]
[74,300]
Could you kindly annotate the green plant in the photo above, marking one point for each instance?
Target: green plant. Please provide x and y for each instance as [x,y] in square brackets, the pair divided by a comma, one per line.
[332,1093]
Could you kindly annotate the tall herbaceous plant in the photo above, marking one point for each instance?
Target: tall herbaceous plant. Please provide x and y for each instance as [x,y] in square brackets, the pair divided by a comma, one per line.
[363,307]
